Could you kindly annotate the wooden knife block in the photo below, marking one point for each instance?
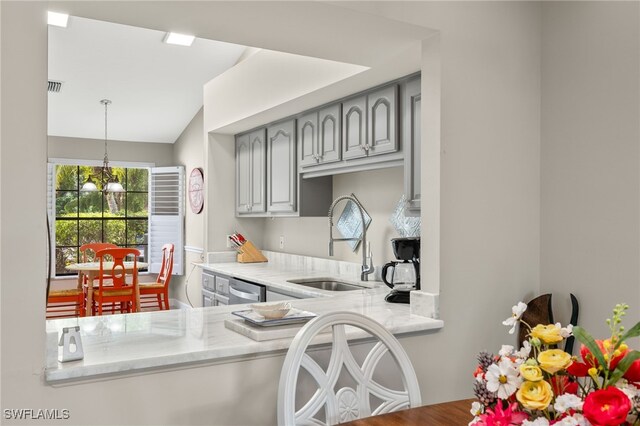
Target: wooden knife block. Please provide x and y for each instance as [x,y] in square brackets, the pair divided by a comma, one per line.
[248,253]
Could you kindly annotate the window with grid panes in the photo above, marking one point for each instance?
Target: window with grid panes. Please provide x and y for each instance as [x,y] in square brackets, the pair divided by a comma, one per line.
[85,217]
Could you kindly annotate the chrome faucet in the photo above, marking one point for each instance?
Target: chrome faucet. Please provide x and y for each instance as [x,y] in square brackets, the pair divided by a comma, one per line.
[367,258]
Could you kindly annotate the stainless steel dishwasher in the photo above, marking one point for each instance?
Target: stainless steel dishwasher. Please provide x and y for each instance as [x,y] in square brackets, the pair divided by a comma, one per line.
[241,291]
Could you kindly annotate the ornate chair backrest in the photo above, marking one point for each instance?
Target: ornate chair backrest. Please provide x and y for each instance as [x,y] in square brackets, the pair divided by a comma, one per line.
[164,277]
[89,250]
[346,403]
[117,272]
[540,311]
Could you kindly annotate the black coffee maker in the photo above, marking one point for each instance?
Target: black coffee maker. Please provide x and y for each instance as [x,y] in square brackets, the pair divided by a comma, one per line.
[403,276]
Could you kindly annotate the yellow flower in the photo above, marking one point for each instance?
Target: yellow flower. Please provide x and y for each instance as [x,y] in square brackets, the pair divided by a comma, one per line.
[535,395]
[548,334]
[554,360]
[531,372]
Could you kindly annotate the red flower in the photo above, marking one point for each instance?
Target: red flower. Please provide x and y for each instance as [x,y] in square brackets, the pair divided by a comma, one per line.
[578,369]
[562,384]
[502,417]
[606,407]
[479,372]
[633,373]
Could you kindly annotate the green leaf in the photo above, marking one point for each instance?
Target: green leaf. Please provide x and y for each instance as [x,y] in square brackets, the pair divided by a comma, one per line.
[623,366]
[632,332]
[586,339]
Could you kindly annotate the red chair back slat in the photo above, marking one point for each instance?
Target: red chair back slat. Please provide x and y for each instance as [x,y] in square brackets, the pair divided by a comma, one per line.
[119,288]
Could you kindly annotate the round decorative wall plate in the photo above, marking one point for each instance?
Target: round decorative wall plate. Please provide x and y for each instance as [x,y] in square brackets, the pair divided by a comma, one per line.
[196,190]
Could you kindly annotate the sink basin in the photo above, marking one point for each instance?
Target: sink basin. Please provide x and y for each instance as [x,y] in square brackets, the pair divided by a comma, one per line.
[326,284]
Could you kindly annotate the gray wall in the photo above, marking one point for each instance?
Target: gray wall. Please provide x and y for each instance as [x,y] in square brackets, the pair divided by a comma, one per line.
[590,157]
[188,151]
[93,149]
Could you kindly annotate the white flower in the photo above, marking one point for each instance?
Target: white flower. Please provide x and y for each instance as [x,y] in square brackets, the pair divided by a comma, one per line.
[517,312]
[566,402]
[565,331]
[506,350]
[540,421]
[524,352]
[629,390]
[576,420]
[476,409]
[474,421]
[503,378]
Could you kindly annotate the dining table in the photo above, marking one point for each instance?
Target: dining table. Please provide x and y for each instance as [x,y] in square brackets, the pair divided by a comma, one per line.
[453,413]
[91,270]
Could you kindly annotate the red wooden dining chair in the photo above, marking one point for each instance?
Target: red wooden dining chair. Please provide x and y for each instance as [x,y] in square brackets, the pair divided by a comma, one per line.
[66,303]
[88,252]
[157,294]
[123,284]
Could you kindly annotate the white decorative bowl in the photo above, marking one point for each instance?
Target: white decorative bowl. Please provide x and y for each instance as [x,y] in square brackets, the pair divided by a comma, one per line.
[272,311]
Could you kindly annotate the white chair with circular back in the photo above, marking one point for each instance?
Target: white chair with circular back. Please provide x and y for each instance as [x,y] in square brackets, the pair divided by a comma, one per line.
[346,403]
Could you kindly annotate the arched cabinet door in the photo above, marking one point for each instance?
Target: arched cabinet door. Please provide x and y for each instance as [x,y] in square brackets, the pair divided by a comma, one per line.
[251,151]
[354,127]
[282,172]
[383,117]
[308,139]
[329,135]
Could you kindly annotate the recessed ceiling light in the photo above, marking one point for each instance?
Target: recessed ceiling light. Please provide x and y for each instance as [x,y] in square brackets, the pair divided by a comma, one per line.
[57,19]
[179,39]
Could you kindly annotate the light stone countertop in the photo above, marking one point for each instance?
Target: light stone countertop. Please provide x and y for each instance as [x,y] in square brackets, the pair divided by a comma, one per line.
[144,342]
[276,277]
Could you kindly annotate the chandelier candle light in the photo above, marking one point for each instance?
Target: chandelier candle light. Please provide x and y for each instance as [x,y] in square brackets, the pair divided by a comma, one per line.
[109,181]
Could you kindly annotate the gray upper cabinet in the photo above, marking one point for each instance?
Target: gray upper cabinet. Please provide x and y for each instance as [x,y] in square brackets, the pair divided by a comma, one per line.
[250,166]
[319,137]
[308,139]
[329,134]
[382,119]
[354,127]
[281,167]
[412,141]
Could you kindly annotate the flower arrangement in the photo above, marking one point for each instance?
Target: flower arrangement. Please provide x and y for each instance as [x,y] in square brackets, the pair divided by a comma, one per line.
[540,384]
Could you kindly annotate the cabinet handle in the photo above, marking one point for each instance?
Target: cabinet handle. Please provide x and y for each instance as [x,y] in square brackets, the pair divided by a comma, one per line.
[247,296]
[362,147]
[367,147]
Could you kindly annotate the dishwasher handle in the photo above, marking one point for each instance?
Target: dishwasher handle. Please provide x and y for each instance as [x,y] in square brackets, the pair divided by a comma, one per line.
[249,296]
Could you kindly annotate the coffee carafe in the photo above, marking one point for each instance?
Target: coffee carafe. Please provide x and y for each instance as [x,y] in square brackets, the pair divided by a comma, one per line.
[403,275]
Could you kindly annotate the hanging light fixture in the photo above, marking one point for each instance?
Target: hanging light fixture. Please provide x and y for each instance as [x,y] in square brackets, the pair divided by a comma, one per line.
[109,180]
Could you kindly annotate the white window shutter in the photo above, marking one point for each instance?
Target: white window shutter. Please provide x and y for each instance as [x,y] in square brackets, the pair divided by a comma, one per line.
[166,216]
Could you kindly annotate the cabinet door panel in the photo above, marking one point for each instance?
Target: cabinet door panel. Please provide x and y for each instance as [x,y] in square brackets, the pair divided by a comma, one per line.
[412,141]
[258,188]
[243,174]
[308,139]
[354,127]
[383,117]
[329,134]
[281,167]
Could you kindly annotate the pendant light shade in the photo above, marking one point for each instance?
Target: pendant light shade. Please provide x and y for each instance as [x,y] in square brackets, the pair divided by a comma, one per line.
[108,179]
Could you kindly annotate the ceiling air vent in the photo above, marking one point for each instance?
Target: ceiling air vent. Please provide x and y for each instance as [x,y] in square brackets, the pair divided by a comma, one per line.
[54,86]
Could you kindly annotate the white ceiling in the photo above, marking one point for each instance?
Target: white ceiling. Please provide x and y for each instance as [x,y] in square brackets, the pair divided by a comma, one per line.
[156,88]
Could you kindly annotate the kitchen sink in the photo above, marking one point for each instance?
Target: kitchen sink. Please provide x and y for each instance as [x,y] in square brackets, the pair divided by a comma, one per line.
[326,284]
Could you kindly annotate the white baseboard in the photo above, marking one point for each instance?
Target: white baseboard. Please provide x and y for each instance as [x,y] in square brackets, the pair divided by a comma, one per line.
[177,304]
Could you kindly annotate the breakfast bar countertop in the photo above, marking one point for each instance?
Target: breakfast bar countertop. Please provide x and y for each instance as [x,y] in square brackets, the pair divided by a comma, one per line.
[147,341]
